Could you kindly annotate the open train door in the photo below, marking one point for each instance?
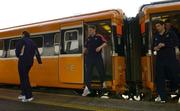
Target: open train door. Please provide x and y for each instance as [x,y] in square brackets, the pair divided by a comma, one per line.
[71,65]
[148,16]
[103,29]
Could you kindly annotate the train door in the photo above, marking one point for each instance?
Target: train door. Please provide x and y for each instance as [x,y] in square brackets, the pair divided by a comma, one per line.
[171,20]
[71,64]
[103,28]
[148,59]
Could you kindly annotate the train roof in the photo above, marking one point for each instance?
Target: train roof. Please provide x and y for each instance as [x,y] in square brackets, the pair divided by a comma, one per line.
[88,16]
[157,7]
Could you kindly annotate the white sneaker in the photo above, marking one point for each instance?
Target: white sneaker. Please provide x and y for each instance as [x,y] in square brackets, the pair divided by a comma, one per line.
[86,91]
[21,97]
[105,96]
[27,100]
[157,99]
[163,102]
[137,98]
[125,96]
[173,96]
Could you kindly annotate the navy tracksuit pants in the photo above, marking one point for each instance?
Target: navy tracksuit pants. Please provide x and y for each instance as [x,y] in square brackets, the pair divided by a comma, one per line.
[162,66]
[25,86]
[90,63]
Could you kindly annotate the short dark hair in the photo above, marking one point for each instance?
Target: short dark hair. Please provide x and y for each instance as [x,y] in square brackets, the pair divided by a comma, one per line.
[92,26]
[159,22]
[26,34]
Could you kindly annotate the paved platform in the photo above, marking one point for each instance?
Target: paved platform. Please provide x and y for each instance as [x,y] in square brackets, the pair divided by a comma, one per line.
[11,105]
[86,103]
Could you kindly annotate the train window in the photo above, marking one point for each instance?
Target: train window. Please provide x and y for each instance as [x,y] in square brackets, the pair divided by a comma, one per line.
[71,44]
[48,40]
[71,35]
[1,48]
[12,47]
[6,48]
[57,43]
[39,42]
[56,38]
[48,49]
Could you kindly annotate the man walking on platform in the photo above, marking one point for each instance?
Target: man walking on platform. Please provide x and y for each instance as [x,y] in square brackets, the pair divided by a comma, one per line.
[25,51]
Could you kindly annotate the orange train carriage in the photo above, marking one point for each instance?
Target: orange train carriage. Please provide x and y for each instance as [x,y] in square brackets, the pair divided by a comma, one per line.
[129,59]
[141,59]
[60,43]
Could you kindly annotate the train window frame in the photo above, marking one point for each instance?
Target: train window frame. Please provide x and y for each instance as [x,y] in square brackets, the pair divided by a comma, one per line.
[57,46]
[66,42]
[48,50]
[40,49]
[11,52]
[2,50]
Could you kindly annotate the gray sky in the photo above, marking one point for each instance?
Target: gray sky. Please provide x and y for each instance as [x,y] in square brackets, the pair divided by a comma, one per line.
[20,12]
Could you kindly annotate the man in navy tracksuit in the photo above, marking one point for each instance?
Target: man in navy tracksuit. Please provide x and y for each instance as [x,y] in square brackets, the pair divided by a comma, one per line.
[25,51]
[93,48]
[164,44]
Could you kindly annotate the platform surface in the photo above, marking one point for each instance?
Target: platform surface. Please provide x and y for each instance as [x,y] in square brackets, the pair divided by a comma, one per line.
[63,102]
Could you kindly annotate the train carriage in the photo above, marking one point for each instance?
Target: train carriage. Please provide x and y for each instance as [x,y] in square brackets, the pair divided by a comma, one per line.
[60,43]
[128,58]
[147,16]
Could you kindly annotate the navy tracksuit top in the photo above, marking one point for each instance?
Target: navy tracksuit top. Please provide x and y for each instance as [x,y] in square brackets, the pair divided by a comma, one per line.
[170,40]
[30,50]
[92,43]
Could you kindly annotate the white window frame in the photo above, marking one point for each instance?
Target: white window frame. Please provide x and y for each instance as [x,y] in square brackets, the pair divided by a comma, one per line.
[57,45]
[2,50]
[12,51]
[66,41]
